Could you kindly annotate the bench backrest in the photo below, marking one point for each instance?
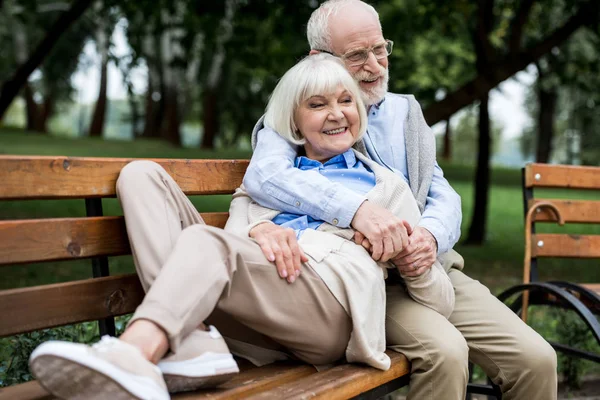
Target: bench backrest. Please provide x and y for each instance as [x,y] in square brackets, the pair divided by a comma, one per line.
[93,237]
[569,210]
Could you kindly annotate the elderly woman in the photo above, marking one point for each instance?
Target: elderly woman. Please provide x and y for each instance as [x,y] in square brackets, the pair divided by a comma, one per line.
[193,273]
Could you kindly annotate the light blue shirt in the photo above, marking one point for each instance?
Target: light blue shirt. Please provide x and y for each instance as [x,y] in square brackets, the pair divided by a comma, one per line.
[273,182]
[343,168]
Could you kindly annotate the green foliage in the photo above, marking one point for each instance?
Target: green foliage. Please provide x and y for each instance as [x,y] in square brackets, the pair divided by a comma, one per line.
[465,135]
[573,332]
[15,350]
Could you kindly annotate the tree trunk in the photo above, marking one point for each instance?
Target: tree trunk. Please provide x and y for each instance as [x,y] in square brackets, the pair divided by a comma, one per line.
[150,130]
[477,229]
[46,111]
[97,125]
[171,125]
[31,108]
[211,119]
[135,115]
[447,152]
[12,86]
[547,104]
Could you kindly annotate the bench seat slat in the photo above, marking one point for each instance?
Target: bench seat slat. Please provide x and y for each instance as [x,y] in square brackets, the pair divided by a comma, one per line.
[26,241]
[561,176]
[25,391]
[35,177]
[249,381]
[342,382]
[253,381]
[47,306]
[578,211]
[564,245]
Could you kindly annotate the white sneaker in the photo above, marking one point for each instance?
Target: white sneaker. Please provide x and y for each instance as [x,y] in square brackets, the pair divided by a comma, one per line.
[203,360]
[110,369]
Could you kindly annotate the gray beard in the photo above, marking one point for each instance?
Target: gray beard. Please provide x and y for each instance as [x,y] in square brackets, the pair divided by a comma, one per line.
[375,95]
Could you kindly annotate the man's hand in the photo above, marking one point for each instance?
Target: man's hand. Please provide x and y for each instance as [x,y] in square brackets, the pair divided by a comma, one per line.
[419,255]
[279,245]
[386,233]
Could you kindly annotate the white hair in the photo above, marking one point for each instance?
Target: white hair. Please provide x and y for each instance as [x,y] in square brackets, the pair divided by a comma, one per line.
[317,29]
[316,74]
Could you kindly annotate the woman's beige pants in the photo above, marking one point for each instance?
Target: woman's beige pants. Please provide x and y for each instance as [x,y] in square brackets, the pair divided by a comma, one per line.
[190,270]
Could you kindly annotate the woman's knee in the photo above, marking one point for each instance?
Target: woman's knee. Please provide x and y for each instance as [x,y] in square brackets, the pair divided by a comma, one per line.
[132,173]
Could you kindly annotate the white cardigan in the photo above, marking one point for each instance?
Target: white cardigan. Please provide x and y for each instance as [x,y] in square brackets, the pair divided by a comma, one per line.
[364,301]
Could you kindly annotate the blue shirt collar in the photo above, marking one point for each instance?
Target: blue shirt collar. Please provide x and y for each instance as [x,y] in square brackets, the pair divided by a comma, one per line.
[347,159]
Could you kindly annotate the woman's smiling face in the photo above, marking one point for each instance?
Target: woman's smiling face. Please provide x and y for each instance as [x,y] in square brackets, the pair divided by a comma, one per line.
[329,122]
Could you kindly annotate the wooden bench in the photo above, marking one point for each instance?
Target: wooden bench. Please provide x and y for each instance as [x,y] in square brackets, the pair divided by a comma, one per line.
[103,297]
[583,298]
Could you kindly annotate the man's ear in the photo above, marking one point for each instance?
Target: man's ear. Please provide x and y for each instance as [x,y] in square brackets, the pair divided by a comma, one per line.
[313,52]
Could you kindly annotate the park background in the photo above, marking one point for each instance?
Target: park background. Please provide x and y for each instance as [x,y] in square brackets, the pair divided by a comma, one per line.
[502,82]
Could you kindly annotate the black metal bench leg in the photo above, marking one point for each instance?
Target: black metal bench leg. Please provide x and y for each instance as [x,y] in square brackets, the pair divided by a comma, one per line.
[93,208]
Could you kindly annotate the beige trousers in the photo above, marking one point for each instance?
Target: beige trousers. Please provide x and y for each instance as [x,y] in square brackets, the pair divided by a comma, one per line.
[190,271]
[481,329]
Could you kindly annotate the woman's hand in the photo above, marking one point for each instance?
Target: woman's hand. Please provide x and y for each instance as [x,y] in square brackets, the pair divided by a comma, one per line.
[419,255]
[279,245]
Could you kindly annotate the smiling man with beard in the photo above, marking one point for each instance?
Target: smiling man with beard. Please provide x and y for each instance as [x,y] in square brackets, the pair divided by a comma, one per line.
[480,329]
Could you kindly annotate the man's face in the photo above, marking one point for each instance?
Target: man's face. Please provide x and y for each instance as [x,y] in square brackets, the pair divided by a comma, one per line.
[354,28]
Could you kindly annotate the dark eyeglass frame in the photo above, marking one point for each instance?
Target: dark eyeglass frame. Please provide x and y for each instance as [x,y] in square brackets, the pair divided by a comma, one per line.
[388,46]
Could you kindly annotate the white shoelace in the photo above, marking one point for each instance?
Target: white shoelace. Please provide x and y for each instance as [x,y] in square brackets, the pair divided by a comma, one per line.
[105,344]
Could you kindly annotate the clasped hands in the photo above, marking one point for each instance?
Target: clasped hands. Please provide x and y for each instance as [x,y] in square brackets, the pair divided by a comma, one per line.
[386,237]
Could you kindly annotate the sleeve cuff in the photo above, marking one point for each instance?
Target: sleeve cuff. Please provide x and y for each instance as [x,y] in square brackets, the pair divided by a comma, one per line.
[252,225]
[345,208]
[438,234]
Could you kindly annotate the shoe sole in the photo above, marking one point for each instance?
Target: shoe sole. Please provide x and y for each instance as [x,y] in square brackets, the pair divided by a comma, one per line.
[180,383]
[199,373]
[73,375]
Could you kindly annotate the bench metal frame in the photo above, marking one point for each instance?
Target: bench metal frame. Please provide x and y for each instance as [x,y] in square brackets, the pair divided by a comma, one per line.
[566,295]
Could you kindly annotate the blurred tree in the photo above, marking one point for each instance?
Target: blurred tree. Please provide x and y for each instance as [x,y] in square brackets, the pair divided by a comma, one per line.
[51,84]
[465,134]
[563,103]
[106,18]
[11,86]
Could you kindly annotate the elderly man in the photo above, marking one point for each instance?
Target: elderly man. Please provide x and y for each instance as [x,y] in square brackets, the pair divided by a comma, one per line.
[481,329]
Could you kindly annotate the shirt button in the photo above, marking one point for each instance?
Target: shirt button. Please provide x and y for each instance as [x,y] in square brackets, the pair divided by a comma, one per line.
[335,221]
[297,204]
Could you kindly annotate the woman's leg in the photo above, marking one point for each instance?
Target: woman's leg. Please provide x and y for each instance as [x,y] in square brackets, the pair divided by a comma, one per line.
[211,268]
[207,267]
[156,211]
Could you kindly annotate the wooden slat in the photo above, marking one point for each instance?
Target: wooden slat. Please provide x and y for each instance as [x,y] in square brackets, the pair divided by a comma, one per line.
[594,287]
[580,211]
[26,241]
[252,382]
[562,176]
[248,382]
[47,306]
[35,177]
[563,245]
[25,391]
[341,382]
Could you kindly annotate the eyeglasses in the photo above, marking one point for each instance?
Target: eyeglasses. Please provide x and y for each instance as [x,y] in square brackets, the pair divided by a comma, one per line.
[359,57]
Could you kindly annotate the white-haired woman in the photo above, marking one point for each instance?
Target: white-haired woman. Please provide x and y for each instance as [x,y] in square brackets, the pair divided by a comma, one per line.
[334,309]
